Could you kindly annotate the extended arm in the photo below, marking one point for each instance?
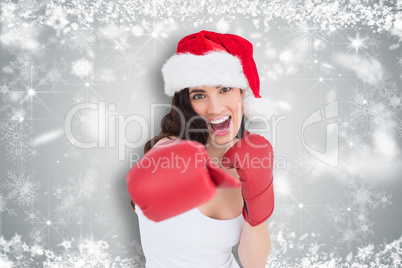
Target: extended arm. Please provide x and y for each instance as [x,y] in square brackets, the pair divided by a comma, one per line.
[164,191]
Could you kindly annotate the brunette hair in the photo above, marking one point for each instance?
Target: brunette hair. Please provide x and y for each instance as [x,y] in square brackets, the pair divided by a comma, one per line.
[171,123]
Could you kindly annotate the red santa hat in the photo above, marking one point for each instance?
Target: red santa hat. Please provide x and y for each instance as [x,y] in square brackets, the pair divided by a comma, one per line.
[210,59]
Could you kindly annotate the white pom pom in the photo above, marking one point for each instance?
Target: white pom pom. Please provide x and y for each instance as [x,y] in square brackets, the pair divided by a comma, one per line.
[258,106]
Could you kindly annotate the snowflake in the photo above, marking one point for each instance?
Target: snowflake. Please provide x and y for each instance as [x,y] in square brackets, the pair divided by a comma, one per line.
[58,191]
[85,249]
[80,97]
[83,119]
[91,248]
[37,250]
[72,150]
[18,113]
[374,41]
[310,63]
[81,187]
[32,215]
[310,31]
[85,185]
[129,60]
[137,30]
[361,216]
[54,76]
[69,209]
[37,235]
[362,222]
[102,219]
[394,101]
[124,77]
[353,168]
[346,127]
[365,252]
[386,87]
[22,188]
[11,33]
[285,241]
[348,234]
[81,40]
[82,68]
[335,214]
[365,107]
[352,151]
[362,196]
[43,47]
[16,136]
[66,244]
[309,165]
[5,88]
[222,26]
[4,208]
[365,228]
[361,94]
[362,193]
[25,63]
[384,199]
[57,19]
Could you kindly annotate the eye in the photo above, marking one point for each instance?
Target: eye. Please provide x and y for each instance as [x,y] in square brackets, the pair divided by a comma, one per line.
[226,89]
[195,96]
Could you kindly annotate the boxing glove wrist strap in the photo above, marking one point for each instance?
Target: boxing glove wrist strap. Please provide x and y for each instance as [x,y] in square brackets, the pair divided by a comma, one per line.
[259,208]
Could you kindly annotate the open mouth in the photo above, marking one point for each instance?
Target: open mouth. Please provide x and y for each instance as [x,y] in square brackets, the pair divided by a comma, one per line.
[221,128]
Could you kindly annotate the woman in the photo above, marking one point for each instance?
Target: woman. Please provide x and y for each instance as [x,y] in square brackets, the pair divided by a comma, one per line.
[192,215]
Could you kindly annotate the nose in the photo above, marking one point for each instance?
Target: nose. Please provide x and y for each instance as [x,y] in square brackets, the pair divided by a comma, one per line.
[215,106]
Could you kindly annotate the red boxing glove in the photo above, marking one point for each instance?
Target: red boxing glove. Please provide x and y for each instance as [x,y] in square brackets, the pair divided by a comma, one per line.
[174,177]
[253,158]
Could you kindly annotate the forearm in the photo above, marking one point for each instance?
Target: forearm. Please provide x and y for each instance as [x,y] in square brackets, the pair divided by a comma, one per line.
[254,245]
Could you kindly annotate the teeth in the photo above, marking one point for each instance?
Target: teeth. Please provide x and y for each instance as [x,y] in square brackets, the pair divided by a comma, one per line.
[219,120]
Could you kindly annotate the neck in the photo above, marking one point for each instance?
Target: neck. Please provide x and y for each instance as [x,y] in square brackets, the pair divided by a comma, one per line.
[218,150]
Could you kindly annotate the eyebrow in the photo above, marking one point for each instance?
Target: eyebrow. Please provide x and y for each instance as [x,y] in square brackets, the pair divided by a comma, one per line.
[201,90]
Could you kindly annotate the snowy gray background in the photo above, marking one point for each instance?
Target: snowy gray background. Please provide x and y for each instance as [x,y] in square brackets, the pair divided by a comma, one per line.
[60,202]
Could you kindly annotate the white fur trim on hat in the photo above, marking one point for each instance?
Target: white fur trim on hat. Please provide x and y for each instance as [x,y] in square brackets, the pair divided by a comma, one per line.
[258,107]
[211,69]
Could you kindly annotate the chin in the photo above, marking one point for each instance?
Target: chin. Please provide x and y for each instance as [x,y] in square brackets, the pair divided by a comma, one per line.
[221,140]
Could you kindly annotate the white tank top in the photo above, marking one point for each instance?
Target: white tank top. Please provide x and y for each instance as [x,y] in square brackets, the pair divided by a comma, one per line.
[190,239]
